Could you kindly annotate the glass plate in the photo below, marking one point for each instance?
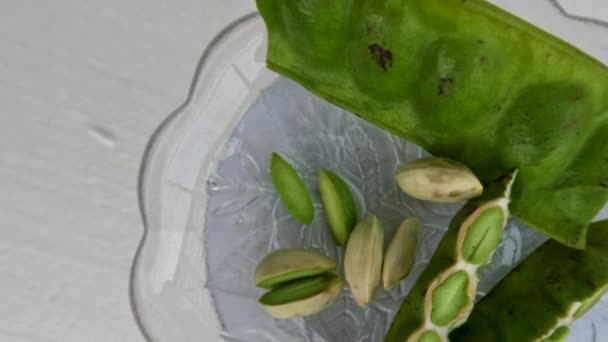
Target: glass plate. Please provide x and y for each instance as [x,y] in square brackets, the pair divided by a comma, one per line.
[210,212]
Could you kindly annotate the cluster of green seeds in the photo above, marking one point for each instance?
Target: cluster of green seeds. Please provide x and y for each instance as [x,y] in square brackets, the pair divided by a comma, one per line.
[302,283]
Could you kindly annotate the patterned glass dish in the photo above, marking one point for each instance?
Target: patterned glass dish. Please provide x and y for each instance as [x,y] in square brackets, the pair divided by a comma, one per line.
[210,211]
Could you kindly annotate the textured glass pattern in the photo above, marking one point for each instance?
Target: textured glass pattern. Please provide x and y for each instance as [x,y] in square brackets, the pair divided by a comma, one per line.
[210,213]
[246,220]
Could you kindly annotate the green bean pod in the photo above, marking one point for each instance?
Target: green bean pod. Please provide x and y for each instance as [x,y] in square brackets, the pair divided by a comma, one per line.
[542,296]
[444,294]
[466,81]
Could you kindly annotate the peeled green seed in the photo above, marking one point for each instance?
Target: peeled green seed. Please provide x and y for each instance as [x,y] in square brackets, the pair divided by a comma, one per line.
[450,298]
[429,336]
[285,265]
[559,335]
[296,290]
[339,205]
[483,236]
[401,252]
[439,180]
[363,259]
[307,305]
[291,189]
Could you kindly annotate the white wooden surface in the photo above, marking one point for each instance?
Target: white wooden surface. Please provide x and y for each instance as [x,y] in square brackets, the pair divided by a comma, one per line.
[82,86]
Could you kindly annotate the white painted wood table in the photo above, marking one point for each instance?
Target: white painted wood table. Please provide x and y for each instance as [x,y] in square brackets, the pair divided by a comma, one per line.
[83,84]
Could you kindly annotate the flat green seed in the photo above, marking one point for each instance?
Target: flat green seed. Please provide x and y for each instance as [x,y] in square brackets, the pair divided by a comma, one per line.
[559,335]
[307,306]
[290,276]
[449,298]
[429,336]
[363,259]
[483,236]
[291,189]
[339,205]
[296,290]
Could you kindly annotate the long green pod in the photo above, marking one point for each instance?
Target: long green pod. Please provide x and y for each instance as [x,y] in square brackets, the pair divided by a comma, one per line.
[542,296]
[467,81]
[444,294]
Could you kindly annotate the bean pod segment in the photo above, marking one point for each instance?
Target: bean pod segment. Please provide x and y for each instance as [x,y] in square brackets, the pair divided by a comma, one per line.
[339,204]
[401,252]
[544,295]
[443,297]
